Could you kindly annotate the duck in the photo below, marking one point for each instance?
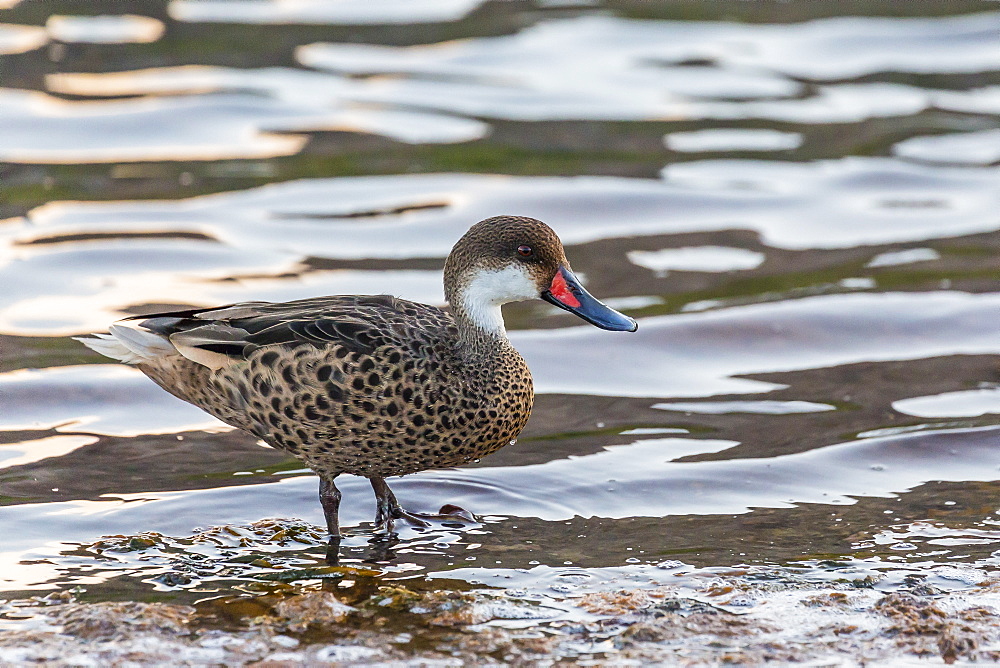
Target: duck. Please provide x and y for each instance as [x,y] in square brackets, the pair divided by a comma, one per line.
[371,385]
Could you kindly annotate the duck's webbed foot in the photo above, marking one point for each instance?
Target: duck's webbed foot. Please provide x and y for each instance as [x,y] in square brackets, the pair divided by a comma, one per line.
[388,509]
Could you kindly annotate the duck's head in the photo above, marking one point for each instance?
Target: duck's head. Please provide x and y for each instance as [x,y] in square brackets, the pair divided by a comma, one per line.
[511,258]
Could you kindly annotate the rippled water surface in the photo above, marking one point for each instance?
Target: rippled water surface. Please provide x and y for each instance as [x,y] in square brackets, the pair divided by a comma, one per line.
[800,207]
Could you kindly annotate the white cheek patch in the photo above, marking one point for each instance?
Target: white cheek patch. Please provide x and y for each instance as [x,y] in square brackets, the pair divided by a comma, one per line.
[499,286]
[489,289]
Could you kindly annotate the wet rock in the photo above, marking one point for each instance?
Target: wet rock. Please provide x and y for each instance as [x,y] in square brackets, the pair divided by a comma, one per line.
[174,579]
[618,602]
[312,610]
[345,653]
[911,616]
[953,644]
[96,621]
[640,633]
[683,606]
[314,625]
[467,609]
[922,627]
[830,599]
[455,609]
[400,599]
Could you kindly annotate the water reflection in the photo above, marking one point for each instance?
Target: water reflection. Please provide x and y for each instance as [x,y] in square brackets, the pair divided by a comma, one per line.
[733,139]
[967,148]
[321,11]
[109,29]
[26,452]
[826,204]
[699,258]
[18,39]
[644,69]
[811,391]
[41,129]
[761,407]
[106,399]
[681,355]
[643,479]
[907,256]
[633,70]
[968,403]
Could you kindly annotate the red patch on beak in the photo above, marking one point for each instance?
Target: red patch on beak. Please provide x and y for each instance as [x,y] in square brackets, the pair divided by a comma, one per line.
[560,290]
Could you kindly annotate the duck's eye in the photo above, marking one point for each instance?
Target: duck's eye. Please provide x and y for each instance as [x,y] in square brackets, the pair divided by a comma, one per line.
[525,251]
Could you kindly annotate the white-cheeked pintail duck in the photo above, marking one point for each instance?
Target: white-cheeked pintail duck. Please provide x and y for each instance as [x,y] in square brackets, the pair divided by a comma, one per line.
[372,386]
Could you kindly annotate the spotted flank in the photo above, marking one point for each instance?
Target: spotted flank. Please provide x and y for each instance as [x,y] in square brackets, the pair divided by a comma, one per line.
[373,386]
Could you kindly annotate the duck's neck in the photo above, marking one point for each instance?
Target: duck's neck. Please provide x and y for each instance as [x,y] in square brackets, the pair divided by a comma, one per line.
[479,320]
[480,328]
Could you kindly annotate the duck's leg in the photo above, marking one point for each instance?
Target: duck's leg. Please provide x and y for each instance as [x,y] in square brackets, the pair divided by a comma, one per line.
[388,509]
[329,498]
[385,500]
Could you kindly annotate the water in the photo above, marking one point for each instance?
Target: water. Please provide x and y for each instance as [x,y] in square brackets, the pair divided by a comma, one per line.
[798,206]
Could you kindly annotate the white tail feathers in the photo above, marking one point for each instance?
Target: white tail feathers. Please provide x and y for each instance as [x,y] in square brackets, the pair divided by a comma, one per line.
[109,346]
[128,344]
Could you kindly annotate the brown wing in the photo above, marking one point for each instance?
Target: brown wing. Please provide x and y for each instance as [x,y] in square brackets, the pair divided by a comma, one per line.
[360,324]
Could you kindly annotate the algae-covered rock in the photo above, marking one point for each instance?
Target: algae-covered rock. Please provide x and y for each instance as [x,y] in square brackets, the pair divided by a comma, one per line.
[121,543]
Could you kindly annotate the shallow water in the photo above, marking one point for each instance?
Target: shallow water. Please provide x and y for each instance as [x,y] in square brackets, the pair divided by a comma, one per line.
[800,209]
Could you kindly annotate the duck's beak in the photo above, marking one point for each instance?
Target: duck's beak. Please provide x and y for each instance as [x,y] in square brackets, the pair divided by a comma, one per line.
[567,293]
